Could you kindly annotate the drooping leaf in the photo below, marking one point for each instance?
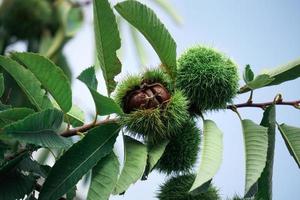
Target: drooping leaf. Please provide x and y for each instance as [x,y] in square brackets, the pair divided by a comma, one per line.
[291,136]
[14,114]
[104,105]
[248,74]
[134,164]
[40,129]
[146,21]
[256,147]
[27,82]
[104,177]
[78,160]
[1,84]
[212,152]
[278,75]
[265,180]
[107,42]
[16,185]
[154,154]
[51,77]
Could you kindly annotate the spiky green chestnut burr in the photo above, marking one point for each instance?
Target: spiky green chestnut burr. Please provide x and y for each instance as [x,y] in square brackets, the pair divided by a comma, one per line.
[177,188]
[181,152]
[25,19]
[153,110]
[208,78]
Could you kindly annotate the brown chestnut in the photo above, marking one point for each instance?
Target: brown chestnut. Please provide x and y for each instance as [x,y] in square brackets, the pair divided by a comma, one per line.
[146,97]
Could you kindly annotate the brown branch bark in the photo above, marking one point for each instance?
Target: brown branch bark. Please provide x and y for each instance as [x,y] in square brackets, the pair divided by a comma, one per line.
[86,127]
[265,104]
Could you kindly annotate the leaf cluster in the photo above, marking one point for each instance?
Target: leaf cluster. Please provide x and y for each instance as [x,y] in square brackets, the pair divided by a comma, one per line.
[164,138]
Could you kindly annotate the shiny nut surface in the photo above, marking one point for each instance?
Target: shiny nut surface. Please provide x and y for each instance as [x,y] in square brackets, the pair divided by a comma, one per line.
[146,97]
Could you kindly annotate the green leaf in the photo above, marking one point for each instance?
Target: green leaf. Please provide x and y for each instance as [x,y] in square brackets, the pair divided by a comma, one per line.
[31,166]
[12,163]
[248,74]
[256,147]
[72,193]
[4,107]
[146,21]
[107,42]
[104,105]
[104,177]
[51,77]
[154,154]
[1,84]
[287,72]
[211,157]
[16,185]
[3,148]
[62,61]
[75,116]
[40,129]
[291,136]
[28,83]
[14,114]
[265,180]
[88,77]
[78,160]
[134,164]
[260,81]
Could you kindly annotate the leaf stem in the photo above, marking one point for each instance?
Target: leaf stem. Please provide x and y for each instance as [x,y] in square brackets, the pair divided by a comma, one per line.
[250,97]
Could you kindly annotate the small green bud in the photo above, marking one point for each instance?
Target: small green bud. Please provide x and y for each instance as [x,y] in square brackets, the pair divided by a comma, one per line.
[177,188]
[208,78]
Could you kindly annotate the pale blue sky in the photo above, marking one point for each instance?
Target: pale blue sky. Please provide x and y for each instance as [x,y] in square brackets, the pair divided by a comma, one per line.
[263,33]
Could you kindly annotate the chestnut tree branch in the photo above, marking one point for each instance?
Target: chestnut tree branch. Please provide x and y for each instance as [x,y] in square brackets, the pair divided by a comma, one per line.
[86,127]
[249,104]
[296,104]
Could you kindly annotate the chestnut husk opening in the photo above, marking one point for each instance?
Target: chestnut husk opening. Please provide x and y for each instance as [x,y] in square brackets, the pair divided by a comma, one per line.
[147,96]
